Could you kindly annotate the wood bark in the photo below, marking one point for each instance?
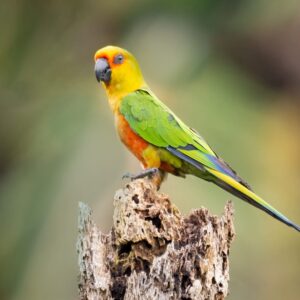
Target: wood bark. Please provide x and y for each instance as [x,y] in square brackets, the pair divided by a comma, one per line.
[152,251]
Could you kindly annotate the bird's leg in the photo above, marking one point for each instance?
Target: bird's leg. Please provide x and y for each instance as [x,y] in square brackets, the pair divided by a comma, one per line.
[145,173]
[154,174]
[158,178]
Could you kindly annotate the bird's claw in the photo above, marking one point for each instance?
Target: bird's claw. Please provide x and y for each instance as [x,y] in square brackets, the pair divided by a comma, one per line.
[128,175]
[145,173]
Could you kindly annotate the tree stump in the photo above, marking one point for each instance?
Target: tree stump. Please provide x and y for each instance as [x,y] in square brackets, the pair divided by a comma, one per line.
[152,251]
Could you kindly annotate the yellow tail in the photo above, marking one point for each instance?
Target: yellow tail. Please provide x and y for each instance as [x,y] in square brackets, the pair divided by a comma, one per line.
[229,184]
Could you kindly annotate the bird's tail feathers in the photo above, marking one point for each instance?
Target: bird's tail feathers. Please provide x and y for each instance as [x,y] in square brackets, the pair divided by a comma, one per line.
[229,184]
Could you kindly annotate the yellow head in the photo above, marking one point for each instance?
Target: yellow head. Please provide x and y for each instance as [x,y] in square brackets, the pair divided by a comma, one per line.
[118,71]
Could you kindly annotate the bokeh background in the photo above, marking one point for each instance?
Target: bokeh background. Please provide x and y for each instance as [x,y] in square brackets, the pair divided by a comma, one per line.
[230,69]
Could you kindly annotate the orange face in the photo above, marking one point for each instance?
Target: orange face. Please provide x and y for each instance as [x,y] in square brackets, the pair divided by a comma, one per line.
[106,60]
[118,70]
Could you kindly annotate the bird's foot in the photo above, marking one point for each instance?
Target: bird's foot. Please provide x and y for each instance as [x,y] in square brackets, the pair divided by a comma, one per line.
[150,173]
[154,174]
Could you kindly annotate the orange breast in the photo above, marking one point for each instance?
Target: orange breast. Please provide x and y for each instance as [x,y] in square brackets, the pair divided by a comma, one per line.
[132,141]
[137,145]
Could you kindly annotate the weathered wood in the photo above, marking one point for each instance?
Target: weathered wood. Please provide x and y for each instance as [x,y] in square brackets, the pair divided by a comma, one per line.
[152,251]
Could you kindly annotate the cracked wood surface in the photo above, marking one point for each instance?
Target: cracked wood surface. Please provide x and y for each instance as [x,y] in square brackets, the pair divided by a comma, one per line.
[152,251]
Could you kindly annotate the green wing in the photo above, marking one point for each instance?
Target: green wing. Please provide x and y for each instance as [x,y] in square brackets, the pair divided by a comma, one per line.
[155,123]
[158,125]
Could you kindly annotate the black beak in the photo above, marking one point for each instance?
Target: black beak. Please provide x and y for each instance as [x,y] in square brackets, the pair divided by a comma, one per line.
[102,70]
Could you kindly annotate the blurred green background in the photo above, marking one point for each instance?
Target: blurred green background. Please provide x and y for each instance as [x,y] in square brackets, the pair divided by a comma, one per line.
[230,69]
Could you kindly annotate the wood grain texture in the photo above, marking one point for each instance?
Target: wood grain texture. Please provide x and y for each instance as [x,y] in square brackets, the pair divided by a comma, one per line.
[152,251]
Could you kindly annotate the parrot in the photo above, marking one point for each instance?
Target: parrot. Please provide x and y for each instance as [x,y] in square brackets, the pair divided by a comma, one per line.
[159,139]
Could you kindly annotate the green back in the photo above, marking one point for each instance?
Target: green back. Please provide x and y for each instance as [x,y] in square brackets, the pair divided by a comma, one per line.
[159,126]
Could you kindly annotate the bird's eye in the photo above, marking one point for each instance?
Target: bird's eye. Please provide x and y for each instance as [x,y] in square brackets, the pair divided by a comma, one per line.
[118,59]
